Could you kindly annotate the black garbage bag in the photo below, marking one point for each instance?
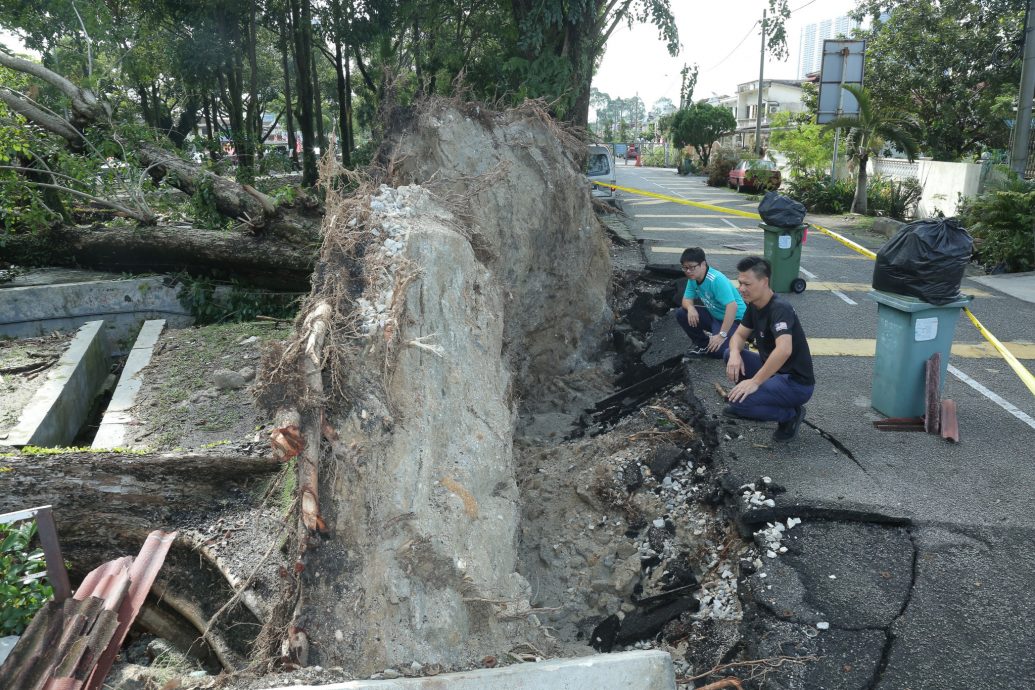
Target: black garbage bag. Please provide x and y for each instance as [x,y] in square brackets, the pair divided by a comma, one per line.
[925,259]
[781,211]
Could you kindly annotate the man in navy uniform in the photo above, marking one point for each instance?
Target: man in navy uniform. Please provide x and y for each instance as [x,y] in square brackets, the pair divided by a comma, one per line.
[774,384]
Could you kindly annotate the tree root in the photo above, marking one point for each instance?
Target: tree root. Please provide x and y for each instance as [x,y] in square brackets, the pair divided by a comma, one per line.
[187,608]
[247,596]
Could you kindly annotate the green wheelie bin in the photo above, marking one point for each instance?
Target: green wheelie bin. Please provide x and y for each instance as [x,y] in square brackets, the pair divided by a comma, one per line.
[783,250]
[909,331]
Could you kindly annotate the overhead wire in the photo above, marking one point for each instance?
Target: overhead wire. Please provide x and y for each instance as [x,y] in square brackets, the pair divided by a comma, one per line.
[737,47]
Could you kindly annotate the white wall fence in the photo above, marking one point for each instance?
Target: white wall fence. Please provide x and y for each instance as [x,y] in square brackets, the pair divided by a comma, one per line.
[943,182]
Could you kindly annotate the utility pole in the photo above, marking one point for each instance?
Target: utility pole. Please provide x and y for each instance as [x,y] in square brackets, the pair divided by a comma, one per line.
[761,75]
[1022,125]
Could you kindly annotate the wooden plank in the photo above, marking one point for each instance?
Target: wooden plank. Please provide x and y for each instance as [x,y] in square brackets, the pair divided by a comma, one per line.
[950,423]
[932,417]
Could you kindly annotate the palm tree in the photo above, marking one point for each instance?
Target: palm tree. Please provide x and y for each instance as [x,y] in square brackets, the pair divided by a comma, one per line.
[870,130]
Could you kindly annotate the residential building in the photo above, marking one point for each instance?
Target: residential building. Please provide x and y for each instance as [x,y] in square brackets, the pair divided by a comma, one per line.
[810,41]
[778,95]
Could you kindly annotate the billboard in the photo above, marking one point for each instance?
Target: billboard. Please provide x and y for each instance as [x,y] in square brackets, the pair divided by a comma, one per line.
[842,64]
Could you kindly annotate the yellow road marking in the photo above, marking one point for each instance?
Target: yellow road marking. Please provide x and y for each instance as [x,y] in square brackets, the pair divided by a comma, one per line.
[865,347]
[686,215]
[690,228]
[758,250]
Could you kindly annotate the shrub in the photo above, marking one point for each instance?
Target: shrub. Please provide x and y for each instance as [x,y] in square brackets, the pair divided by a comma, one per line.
[1001,220]
[897,199]
[22,590]
[719,165]
[821,194]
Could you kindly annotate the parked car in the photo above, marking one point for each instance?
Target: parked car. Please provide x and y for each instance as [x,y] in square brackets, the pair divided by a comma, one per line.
[600,167]
[758,175]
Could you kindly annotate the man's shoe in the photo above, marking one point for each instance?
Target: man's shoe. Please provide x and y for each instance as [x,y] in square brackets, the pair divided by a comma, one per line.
[785,431]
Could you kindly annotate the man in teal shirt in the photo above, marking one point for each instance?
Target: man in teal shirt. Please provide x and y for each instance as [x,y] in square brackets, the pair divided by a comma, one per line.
[709,327]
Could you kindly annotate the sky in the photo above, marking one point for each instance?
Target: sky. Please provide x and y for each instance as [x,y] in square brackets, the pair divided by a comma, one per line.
[637,63]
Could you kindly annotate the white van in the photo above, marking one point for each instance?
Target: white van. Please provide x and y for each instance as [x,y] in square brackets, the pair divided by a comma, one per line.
[600,167]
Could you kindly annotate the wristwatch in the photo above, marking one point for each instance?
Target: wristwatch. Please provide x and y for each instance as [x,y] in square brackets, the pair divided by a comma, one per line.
[723,334]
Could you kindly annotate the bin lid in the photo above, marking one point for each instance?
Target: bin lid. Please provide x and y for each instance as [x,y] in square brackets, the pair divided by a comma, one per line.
[781,229]
[913,304]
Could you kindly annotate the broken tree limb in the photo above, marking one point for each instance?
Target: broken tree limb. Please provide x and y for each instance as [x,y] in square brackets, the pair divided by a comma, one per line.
[84,103]
[230,198]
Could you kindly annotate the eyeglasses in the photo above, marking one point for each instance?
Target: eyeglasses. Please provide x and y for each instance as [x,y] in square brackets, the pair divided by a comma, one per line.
[690,268]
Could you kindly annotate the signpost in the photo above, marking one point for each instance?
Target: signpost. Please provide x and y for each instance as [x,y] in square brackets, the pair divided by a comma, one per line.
[842,64]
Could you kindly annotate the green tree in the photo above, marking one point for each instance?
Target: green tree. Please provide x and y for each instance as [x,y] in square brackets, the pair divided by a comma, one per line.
[809,147]
[700,126]
[560,43]
[869,133]
[953,64]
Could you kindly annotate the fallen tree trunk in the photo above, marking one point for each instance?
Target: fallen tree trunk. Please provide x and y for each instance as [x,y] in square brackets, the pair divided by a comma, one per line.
[105,504]
[238,201]
[272,263]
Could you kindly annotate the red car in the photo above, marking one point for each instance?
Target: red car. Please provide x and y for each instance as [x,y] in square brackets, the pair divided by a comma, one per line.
[758,175]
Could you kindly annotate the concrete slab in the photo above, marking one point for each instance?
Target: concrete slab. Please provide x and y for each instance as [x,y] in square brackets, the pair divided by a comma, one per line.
[33,310]
[112,430]
[1019,285]
[644,670]
[59,408]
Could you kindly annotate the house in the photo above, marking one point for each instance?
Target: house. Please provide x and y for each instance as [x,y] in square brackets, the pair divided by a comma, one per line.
[778,95]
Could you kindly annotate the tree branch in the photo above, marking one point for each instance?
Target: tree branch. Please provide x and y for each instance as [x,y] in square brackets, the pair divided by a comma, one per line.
[51,123]
[143,217]
[83,102]
[363,70]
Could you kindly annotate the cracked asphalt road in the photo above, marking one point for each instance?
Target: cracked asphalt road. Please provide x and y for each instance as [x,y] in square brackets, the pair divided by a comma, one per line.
[931,545]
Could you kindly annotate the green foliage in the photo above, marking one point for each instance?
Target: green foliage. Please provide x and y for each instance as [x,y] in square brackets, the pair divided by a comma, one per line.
[762,178]
[210,302]
[886,197]
[821,194]
[203,207]
[23,591]
[893,198]
[808,147]
[1001,221]
[718,169]
[954,65]
[700,126]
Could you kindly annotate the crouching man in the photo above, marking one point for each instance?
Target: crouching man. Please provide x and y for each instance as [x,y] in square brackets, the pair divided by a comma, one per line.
[711,326]
[774,384]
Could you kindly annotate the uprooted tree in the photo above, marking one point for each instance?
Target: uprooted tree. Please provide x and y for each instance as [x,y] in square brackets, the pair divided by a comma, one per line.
[458,279]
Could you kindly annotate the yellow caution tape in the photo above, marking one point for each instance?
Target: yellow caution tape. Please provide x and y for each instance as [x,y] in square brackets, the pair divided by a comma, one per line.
[1018,368]
[685,202]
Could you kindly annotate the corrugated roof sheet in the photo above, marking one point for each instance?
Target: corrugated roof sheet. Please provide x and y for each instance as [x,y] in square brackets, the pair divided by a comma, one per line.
[71,645]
